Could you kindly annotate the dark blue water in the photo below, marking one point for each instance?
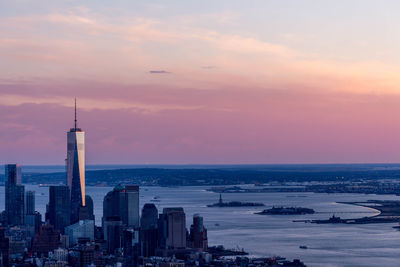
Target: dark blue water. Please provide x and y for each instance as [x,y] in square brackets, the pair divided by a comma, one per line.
[328,245]
[263,235]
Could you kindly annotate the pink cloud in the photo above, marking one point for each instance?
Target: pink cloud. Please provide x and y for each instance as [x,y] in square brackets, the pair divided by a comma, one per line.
[265,103]
[231,126]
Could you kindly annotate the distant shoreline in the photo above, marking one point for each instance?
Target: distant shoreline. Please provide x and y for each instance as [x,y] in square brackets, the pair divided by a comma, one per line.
[228,175]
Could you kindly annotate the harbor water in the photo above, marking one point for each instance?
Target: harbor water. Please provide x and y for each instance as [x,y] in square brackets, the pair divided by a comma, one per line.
[274,235]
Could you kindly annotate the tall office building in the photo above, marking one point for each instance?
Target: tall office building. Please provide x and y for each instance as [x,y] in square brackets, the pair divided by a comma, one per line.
[15,204]
[113,228]
[30,203]
[76,169]
[59,208]
[148,230]
[32,221]
[123,202]
[13,174]
[14,197]
[130,244]
[198,234]
[172,229]
[149,217]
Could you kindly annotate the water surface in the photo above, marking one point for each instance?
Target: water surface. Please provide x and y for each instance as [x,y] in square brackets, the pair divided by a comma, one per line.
[266,235]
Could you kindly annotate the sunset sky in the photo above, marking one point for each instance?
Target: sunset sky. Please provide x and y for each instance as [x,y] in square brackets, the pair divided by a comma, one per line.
[203,82]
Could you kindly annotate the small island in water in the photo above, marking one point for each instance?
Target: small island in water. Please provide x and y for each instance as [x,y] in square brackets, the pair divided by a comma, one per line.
[286,211]
[223,204]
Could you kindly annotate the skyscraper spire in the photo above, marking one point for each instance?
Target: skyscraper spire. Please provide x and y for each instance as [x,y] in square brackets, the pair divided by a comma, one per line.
[75,114]
[76,167]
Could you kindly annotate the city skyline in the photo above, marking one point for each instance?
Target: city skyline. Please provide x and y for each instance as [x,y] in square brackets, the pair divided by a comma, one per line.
[224,133]
[210,83]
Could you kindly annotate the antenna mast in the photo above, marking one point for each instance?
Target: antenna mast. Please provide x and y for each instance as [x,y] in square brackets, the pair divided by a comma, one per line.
[75,113]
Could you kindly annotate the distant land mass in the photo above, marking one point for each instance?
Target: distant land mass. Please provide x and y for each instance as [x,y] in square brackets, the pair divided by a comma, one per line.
[185,175]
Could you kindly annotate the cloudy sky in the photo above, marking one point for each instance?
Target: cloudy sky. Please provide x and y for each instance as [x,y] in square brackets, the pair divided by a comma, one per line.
[261,81]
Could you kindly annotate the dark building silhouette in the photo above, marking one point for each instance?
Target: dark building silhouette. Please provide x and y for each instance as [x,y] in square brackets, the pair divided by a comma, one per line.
[14,195]
[83,213]
[33,223]
[15,207]
[113,228]
[89,205]
[30,202]
[123,202]
[172,229]
[33,219]
[84,254]
[149,218]
[198,234]
[86,212]
[130,247]
[3,217]
[149,230]
[46,240]
[13,174]
[4,248]
[59,208]
[120,211]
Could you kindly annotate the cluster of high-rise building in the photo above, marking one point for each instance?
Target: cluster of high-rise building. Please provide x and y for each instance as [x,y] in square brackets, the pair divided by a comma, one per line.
[69,224]
[124,237]
[68,236]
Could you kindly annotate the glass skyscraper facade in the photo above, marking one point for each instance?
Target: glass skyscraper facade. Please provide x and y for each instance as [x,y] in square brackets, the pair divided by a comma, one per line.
[172,228]
[30,202]
[76,169]
[15,195]
[148,230]
[59,208]
[13,174]
[123,202]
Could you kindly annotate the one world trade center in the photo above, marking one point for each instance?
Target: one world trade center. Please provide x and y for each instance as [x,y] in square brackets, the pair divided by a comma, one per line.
[76,169]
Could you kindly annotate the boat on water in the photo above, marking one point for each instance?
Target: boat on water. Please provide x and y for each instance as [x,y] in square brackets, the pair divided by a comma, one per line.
[303,247]
[333,219]
[155,199]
